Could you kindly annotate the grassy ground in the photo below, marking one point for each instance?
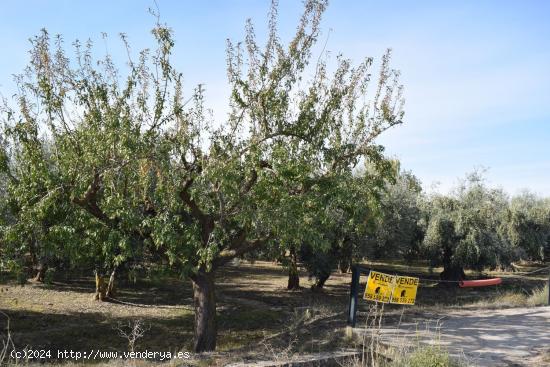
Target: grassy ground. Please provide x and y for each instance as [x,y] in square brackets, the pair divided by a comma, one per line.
[257,315]
[253,307]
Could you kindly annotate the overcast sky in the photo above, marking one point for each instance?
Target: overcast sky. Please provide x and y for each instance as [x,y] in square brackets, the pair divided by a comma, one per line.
[476,72]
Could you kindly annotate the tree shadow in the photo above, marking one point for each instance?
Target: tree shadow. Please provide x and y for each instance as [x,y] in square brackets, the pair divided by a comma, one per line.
[98,331]
[170,292]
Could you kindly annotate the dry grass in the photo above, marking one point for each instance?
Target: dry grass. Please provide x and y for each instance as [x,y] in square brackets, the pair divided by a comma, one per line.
[65,317]
[400,352]
[256,315]
[7,342]
[253,308]
[536,297]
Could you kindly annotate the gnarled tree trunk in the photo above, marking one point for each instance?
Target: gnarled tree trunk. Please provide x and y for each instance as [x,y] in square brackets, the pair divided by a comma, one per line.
[320,282]
[452,272]
[104,290]
[205,311]
[40,273]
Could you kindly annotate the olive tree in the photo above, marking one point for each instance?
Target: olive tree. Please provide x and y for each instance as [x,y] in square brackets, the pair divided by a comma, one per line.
[147,163]
[397,233]
[528,225]
[467,229]
[352,211]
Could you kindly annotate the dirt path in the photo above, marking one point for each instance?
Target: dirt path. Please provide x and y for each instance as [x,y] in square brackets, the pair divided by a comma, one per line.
[506,337]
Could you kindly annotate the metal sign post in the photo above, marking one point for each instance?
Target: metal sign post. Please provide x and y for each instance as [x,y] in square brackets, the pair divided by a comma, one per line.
[356,271]
[353,290]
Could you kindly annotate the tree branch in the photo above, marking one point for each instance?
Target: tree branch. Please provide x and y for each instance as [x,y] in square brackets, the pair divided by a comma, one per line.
[364,148]
[206,221]
[254,178]
[89,201]
[241,246]
[249,185]
[190,202]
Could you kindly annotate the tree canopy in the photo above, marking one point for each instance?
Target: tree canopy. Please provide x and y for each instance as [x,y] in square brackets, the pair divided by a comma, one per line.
[137,166]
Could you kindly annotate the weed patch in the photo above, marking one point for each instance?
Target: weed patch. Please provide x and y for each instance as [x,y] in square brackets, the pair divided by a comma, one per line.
[425,356]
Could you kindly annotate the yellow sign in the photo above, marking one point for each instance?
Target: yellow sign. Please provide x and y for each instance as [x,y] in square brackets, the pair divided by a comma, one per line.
[387,288]
[404,292]
[379,287]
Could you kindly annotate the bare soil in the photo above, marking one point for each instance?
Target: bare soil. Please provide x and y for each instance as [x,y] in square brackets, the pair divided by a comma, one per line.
[510,337]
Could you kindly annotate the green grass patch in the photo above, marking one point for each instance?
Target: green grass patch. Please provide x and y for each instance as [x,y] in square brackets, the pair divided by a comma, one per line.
[426,356]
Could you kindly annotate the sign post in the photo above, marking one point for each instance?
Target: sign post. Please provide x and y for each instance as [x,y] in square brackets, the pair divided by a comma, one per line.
[354,289]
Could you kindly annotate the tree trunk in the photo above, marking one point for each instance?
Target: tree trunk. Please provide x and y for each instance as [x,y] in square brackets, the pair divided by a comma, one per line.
[452,272]
[344,266]
[293,280]
[320,282]
[205,312]
[346,255]
[100,287]
[41,272]
[110,291]
[293,276]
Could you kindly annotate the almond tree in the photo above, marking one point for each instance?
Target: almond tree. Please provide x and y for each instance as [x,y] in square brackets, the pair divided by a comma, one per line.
[148,163]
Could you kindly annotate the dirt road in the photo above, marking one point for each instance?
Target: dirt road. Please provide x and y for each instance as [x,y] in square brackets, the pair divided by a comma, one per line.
[506,337]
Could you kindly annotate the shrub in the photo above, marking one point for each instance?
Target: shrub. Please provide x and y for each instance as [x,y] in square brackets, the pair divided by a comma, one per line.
[539,297]
[426,356]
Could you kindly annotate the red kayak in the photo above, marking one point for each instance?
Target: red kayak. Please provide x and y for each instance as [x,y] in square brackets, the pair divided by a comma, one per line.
[479,283]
